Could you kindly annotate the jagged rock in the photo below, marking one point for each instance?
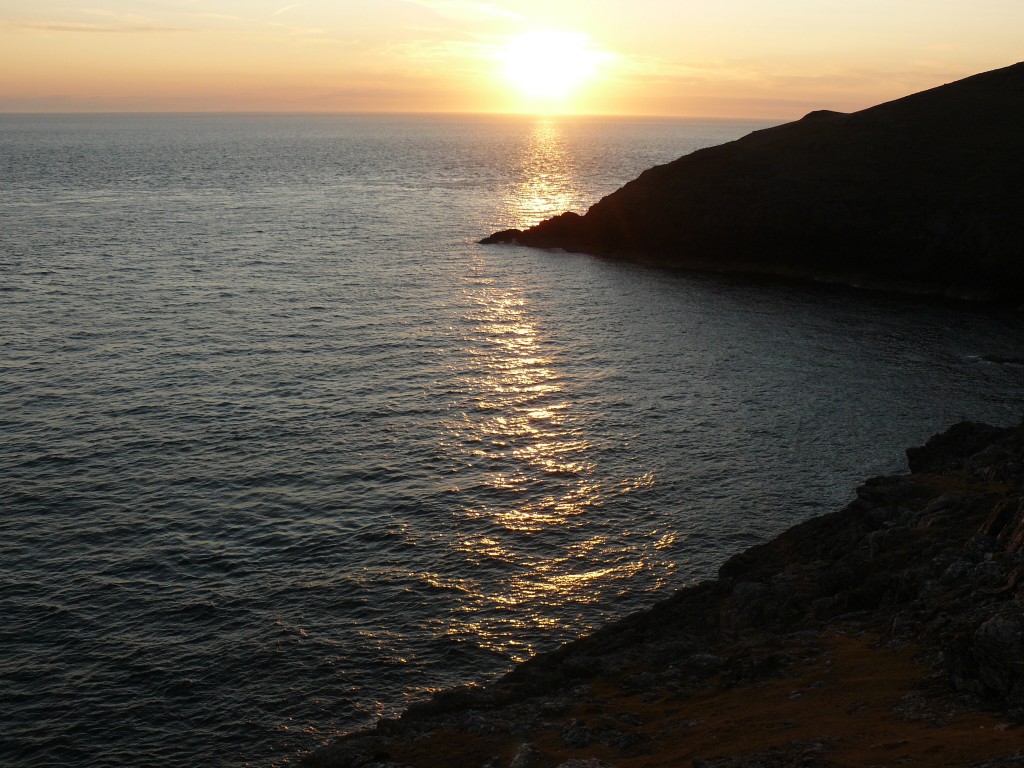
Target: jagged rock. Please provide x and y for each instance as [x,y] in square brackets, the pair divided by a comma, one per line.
[751,604]
[575,735]
[504,236]
[621,741]
[948,451]
[526,755]
[1005,526]
[988,661]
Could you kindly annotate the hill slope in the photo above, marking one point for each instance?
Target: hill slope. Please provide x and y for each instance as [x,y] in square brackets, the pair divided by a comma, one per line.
[924,193]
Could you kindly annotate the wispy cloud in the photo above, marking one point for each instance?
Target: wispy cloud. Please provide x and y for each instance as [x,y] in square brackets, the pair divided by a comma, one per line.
[460,9]
[84,27]
[222,17]
[287,8]
[108,22]
[439,49]
[316,32]
[109,14]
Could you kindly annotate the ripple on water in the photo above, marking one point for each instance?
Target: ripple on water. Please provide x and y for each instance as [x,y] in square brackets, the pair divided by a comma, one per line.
[283,449]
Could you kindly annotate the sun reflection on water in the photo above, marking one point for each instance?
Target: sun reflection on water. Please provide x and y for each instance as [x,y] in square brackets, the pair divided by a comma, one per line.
[527,478]
[543,535]
[519,422]
[548,183]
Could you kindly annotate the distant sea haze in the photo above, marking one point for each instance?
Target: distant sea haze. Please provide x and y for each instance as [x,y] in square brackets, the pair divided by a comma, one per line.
[282,448]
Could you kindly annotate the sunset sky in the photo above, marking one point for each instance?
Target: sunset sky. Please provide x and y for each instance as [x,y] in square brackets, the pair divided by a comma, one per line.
[730,58]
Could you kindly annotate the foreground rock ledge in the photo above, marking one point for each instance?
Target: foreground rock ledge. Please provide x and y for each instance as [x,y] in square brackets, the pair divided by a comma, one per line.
[922,195]
[890,632]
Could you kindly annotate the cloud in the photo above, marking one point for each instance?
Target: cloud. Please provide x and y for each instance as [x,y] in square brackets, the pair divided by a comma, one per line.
[109,22]
[286,8]
[460,9]
[316,32]
[118,29]
[424,52]
[222,17]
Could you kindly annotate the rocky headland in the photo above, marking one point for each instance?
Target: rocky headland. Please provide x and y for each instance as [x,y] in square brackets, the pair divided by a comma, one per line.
[923,194]
[888,633]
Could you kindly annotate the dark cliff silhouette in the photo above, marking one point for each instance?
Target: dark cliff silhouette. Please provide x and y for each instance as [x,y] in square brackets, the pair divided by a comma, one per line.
[924,193]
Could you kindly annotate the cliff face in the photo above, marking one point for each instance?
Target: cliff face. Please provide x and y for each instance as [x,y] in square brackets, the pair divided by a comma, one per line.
[926,193]
[891,631]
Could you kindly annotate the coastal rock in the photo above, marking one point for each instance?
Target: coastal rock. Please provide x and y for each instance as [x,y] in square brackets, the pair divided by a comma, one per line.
[932,561]
[525,757]
[986,662]
[505,236]
[575,734]
[948,451]
[920,194]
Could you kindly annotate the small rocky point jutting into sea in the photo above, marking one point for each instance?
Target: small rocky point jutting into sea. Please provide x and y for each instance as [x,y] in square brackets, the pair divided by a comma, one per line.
[890,632]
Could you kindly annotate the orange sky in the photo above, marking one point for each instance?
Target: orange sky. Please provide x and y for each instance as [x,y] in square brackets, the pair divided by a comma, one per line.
[730,58]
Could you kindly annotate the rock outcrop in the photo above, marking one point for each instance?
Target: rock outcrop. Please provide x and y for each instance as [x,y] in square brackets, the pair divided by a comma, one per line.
[921,194]
[890,631]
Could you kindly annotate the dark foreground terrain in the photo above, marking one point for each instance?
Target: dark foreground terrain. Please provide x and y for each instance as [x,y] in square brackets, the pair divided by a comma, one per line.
[922,194]
[888,633]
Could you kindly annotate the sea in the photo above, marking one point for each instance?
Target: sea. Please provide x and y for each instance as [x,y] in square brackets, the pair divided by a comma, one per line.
[283,449]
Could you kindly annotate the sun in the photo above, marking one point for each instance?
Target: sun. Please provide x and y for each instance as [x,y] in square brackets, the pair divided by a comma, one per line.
[549,66]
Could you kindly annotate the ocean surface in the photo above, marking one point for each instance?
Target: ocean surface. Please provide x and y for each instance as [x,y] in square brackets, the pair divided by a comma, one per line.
[282,449]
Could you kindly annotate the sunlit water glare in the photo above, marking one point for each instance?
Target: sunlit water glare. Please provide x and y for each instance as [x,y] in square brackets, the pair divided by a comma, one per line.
[282,447]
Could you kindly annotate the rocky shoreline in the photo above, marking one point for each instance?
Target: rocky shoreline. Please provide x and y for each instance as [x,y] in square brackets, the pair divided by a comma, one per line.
[888,633]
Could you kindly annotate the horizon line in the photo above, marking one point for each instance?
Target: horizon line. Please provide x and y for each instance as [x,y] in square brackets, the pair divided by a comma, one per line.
[378,113]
